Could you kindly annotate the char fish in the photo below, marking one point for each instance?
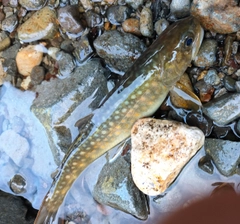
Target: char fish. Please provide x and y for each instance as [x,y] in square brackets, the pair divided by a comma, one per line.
[141,92]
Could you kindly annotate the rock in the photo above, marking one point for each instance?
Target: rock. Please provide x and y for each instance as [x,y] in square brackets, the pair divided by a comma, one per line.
[134,3]
[14,209]
[218,16]
[128,46]
[229,83]
[223,109]
[237,86]
[180,9]
[198,120]
[132,25]
[116,188]
[17,149]
[28,57]
[41,25]
[212,77]
[207,53]
[117,14]
[37,75]
[10,67]
[93,19]
[65,63]
[205,163]
[160,26]
[69,19]
[146,23]
[33,4]
[10,23]
[205,91]
[160,149]
[26,83]
[225,155]
[5,43]
[61,102]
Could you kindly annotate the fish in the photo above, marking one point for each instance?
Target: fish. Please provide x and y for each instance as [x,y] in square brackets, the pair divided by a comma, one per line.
[139,94]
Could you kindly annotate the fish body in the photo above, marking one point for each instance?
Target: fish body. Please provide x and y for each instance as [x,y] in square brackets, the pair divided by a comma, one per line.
[143,89]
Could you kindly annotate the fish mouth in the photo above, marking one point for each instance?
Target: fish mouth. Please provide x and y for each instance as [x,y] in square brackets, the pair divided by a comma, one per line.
[198,39]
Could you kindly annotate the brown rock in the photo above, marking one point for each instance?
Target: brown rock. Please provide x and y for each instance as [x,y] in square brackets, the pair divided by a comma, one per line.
[219,16]
[132,26]
[29,57]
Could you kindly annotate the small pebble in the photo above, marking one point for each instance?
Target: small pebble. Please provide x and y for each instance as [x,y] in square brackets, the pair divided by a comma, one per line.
[37,75]
[18,184]
[205,91]
[65,63]
[160,26]
[132,25]
[134,3]
[237,86]
[207,53]
[146,23]
[212,77]
[93,19]
[160,149]
[32,5]
[10,23]
[229,83]
[28,57]
[180,8]
[117,14]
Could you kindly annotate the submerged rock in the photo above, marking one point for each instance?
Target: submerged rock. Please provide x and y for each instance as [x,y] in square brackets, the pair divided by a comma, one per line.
[160,149]
[225,155]
[61,102]
[223,109]
[116,188]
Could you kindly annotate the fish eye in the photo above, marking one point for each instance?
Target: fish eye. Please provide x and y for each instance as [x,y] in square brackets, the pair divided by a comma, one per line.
[188,41]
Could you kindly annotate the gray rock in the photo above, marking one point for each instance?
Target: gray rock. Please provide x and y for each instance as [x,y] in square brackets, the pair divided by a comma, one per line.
[115,187]
[119,50]
[117,14]
[180,8]
[225,155]
[65,63]
[229,83]
[37,75]
[212,77]
[223,109]
[207,53]
[61,102]
[33,4]
[69,19]
[13,210]
[10,23]
[10,66]
[237,86]
[160,26]
[11,52]
[93,19]
[134,3]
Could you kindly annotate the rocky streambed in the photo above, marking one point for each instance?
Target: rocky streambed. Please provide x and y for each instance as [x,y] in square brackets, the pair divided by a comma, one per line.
[59,59]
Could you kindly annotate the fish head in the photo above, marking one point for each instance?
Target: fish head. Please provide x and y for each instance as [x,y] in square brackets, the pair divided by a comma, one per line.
[181,43]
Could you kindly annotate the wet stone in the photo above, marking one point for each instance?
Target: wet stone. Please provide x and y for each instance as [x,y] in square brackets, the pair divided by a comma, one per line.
[10,23]
[238,127]
[10,67]
[69,19]
[198,120]
[207,53]
[116,188]
[220,132]
[223,109]
[37,75]
[119,50]
[218,16]
[82,49]
[134,3]
[225,155]
[146,23]
[237,86]
[160,149]
[33,4]
[117,14]
[212,77]
[41,25]
[205,163]
[132,25]
[65,63]
[93,19]
[11,52]
[67,46]
[18,184]
[205,90]
[229,83]
[160,26]
[180,8]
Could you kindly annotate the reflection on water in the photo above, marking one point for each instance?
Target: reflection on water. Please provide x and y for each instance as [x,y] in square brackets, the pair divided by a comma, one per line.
[24,148]
[26,163]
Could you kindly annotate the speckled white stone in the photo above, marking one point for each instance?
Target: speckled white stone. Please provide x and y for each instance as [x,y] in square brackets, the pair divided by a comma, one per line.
[160,149]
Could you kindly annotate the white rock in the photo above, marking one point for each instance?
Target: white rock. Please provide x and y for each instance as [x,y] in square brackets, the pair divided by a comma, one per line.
[160,149]
[14,145]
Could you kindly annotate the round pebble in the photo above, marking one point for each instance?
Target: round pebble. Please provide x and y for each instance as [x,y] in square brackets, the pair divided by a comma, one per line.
[146,23]
[117,14]
[212,77]
[10,23]
[93,19]
[207,53]
[28,57]
[37,75]
[65,63]
[18,184]
[160,26]
[134,3]
[229,83]
[180,8]
[132,25]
